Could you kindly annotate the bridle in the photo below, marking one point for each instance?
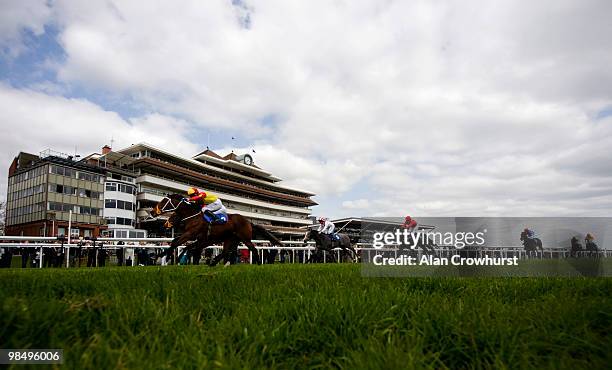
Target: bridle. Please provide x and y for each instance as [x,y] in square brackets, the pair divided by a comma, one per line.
[169,201]
[169,206]
[312,235]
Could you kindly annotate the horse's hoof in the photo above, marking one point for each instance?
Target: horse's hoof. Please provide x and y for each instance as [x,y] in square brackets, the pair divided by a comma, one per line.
[226,264]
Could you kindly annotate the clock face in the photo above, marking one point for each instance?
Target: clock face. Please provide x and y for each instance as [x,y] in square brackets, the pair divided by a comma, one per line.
[248,160]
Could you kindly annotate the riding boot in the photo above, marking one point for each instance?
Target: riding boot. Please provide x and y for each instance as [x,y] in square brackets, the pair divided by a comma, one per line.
[210,214]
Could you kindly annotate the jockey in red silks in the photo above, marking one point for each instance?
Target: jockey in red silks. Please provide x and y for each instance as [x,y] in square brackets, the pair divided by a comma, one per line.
[211,204]
[410,224]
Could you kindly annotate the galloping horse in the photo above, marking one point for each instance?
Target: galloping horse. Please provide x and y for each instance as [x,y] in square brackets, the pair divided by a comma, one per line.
[236,230]
[324,243]
[194,249]
[425,243]
[531,245]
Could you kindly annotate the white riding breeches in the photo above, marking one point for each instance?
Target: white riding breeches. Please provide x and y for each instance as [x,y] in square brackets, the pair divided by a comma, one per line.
[215,207]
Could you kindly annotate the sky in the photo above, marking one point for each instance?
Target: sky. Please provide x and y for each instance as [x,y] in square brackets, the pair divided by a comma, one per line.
[382,108]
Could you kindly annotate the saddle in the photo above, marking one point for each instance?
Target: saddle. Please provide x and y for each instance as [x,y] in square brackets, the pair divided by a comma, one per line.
[334,237]
[214,219]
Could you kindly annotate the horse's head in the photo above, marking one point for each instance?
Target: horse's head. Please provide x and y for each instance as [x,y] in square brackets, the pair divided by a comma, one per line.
[169,203]
[310,234]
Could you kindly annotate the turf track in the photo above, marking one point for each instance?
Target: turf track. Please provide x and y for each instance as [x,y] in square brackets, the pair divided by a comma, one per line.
[304,316]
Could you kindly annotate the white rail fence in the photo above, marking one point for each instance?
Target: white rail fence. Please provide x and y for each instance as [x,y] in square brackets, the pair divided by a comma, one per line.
[365,250]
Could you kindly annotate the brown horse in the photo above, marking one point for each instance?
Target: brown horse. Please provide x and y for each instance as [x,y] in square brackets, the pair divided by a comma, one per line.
[233,232]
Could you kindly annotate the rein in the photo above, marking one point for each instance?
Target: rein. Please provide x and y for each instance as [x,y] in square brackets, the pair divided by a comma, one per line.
[174,207]
[169,201]
[192,216]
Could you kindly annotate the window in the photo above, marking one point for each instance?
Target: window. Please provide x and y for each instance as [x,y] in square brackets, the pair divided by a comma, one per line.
[61,231]
[111,186]
[84,193]
[125,221]
[69,190]
[137,234]
[60,207]
[110,203]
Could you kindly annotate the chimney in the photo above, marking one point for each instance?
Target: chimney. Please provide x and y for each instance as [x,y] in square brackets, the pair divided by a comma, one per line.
[106,149]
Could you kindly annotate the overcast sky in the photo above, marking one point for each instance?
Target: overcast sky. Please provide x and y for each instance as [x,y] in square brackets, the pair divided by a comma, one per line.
[380,107]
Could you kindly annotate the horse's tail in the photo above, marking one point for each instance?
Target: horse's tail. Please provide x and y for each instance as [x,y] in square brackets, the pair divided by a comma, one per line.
[261,232]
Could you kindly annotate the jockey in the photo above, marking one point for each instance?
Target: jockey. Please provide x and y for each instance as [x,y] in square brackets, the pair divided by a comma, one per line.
[326,227]
[589,242]
[410,224]
[530,233]
[211,204]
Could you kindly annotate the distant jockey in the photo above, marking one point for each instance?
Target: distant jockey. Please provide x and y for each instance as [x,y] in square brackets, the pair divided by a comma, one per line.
[326,227]
[589,243]
[410,224]
[212,207]
[530,234]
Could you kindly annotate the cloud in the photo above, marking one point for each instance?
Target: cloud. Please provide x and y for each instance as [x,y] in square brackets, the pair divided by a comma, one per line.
[34,121]
[18,17]
[356,204]
[416,107]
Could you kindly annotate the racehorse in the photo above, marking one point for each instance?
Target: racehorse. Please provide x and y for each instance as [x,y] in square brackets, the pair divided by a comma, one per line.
[194,249]
[236,230]
[324,243]
[425,243]
[531,244]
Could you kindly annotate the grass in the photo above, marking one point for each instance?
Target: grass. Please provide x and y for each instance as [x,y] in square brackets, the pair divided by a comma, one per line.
[303,316]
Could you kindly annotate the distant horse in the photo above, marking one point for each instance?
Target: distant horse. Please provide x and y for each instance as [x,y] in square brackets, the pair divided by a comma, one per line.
[590,245]
[236,230]
[324,243]
[423,242]
[575,247]
[531,244]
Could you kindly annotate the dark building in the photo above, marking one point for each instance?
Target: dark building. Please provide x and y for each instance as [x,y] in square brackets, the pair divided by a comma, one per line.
[46,191]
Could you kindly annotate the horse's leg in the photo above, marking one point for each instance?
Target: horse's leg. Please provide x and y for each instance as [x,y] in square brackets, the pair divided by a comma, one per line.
[216,260]
[213,262]
[353,251]
[226,253]
[253,251]
[230,248]
[328,249]
[180,240]
[245,235]
[197,253]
